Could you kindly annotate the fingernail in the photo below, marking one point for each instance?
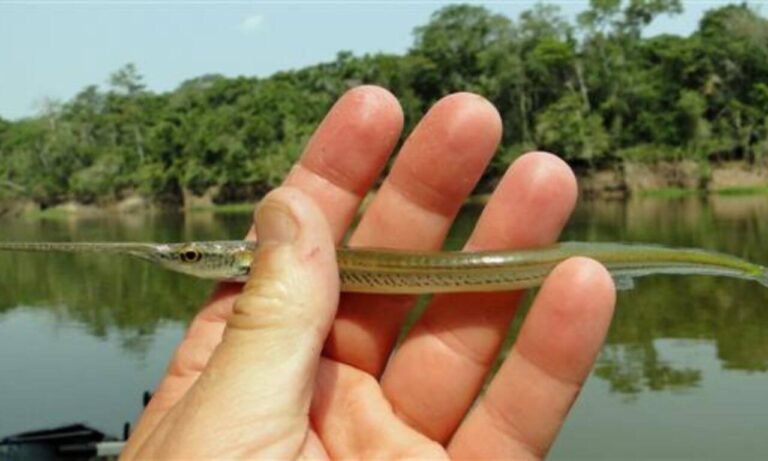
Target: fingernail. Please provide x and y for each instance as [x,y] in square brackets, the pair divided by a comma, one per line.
[276,224]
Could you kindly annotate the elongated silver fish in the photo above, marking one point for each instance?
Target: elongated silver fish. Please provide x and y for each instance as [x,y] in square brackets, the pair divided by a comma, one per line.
[392,271]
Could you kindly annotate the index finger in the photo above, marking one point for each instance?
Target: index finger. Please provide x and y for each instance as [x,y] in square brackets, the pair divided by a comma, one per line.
[347,153]
[438,166]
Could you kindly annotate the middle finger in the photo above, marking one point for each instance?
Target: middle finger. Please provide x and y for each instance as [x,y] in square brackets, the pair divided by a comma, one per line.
[437,168]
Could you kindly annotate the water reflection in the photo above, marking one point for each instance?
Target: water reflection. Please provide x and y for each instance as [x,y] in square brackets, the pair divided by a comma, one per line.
[731,313]
[630,369]
[103,293]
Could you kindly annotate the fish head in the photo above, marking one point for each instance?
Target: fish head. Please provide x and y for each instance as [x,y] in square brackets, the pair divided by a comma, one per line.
[227,261]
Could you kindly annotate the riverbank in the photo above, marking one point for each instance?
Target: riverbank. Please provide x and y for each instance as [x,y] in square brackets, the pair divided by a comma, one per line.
[660,179]
[673,179]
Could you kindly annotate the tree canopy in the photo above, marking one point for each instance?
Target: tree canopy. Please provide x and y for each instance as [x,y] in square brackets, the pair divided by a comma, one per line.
[595,92]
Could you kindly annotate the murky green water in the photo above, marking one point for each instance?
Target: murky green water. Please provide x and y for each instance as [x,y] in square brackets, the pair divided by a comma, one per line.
[683,373]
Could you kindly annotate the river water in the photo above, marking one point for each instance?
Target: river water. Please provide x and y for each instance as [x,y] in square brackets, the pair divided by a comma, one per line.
[682,375]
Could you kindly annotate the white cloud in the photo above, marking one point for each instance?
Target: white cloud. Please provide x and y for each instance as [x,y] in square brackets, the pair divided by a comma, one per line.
[251,23]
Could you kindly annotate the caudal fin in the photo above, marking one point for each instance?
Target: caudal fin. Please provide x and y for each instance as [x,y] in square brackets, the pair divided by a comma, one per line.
[762,277]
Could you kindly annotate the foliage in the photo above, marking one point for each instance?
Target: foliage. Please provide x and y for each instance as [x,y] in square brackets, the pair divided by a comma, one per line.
[567,128]
[597,91]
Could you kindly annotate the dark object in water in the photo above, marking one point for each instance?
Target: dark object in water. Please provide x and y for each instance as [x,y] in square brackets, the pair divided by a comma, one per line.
[70,443]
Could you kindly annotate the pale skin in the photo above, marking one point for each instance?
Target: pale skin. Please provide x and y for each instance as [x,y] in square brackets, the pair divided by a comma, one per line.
[286,368]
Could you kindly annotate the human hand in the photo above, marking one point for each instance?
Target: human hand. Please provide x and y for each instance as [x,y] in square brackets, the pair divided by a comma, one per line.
[249,381]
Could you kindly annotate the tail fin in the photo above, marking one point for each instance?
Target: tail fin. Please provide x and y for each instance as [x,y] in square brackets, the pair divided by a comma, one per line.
[762,277]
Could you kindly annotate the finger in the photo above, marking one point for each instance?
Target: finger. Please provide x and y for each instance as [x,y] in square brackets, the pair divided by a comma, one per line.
[527,401]
[348,152]
[437,168]
[355,421]
[438,370]
[262,373]
[341,161]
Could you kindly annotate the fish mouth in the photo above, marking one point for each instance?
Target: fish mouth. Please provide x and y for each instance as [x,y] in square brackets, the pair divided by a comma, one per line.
[153,252]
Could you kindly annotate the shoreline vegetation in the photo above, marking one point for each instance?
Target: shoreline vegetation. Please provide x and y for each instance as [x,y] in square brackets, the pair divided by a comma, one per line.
[634,115]
[657,181]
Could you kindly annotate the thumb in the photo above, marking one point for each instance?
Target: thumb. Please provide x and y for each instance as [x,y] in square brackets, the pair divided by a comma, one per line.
[258,385]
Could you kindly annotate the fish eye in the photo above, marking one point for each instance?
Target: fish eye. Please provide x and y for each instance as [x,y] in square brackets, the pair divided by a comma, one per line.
[190,255]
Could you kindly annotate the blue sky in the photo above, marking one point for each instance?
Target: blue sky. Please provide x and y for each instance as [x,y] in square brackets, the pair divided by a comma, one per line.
[54,49]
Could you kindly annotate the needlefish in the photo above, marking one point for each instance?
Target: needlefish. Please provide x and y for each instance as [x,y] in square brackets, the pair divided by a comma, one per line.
[366,270]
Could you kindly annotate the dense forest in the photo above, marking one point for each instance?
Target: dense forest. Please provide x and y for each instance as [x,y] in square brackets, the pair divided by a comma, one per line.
[597,92]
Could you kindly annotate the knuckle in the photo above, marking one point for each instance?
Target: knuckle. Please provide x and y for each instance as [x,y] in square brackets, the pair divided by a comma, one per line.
[190,359]
[265,302]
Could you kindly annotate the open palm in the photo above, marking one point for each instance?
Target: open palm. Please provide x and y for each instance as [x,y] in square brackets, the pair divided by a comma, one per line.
[422,400]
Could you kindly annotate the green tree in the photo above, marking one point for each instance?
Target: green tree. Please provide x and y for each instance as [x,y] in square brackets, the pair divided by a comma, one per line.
[452,46]
[565,127]
[622,83]
[594,91]
[734,39]
[127,80]
[694,128]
